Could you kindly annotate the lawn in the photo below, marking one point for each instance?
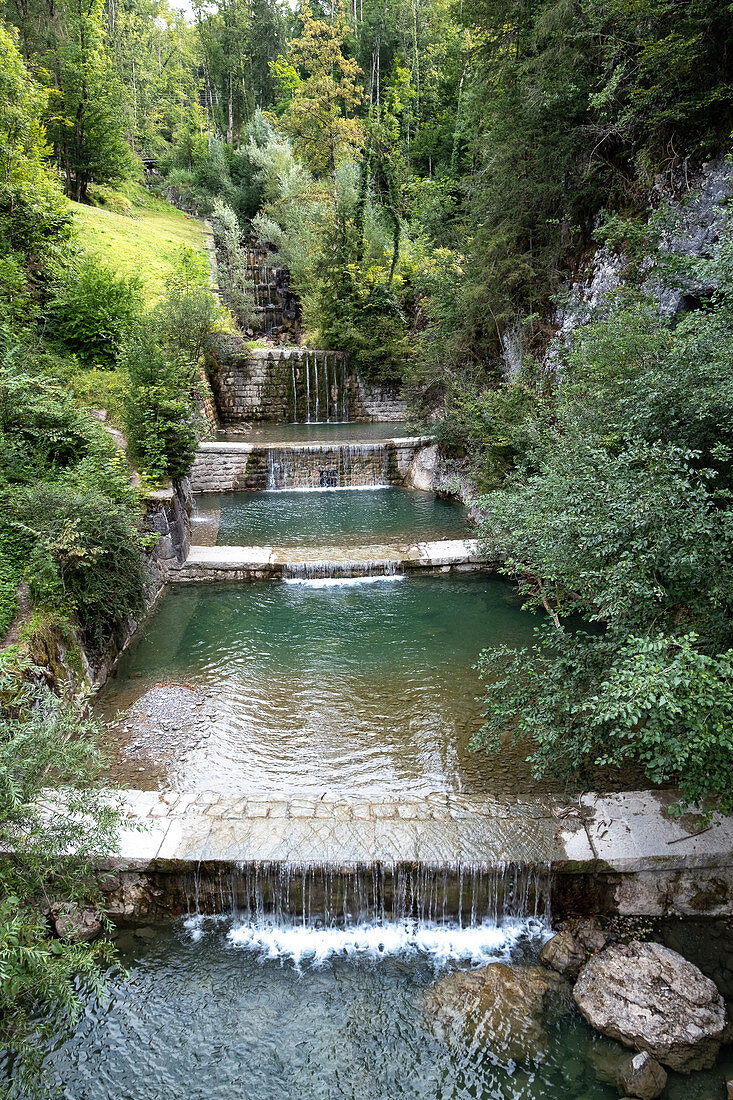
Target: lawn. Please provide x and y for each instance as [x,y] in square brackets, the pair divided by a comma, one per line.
[144,244]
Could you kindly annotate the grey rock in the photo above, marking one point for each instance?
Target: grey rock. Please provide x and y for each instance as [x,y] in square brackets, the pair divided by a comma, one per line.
[499,1007]
[75,925]
[564,953]
[650,998]
[641,1076]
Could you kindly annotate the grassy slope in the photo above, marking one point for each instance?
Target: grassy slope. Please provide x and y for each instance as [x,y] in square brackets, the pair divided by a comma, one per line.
[143,244]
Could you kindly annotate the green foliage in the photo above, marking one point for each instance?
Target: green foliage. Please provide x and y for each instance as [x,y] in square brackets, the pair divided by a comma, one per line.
[58,825]
[94,311]
[618,510]
[162,368]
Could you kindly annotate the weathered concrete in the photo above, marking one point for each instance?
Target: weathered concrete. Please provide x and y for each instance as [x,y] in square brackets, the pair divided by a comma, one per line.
[229,467]
[246,563]
[651,865]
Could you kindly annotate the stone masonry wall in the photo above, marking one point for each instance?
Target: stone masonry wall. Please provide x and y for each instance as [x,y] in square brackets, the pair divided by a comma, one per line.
[293,384]
[231,467]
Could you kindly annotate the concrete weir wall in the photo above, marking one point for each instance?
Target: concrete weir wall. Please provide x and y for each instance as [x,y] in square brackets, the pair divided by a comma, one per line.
[229,467]
[615,853]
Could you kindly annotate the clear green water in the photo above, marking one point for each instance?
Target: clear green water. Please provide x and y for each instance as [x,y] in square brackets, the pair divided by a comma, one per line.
[209,1020]
[317,433]
[341,518]
[361,689]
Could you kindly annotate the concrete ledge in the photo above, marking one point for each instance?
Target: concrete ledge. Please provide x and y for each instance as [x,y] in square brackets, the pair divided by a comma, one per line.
[315,448]
[617,853]
[214,563]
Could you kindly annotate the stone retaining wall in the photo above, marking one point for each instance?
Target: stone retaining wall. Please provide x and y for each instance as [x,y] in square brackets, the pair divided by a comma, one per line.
[230,467]
[249,563]
[615,853]
[297,384]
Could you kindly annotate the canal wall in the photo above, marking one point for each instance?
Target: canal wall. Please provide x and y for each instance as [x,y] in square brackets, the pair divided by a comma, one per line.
[604,854]
[229,467]
[294,384]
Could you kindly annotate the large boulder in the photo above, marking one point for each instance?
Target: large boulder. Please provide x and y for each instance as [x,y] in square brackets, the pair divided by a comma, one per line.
[641,1076]
[424,468]
[498,1007]
[650,998]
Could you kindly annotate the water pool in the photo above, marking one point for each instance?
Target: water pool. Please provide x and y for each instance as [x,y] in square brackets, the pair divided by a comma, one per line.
[359,689]
[344,517]
[337,432]
[206,1018]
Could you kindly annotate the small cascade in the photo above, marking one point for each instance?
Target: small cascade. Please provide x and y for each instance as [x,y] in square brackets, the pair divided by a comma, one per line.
[321,574]
[318,387]
[328,466]
[397,899]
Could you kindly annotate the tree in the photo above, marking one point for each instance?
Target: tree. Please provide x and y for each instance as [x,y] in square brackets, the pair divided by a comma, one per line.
[318,114]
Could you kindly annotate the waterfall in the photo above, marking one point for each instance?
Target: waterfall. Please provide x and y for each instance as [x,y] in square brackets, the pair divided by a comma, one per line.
[322,574]
[307,390]
[315,368]
[463,895]
[333,382]
[328,466]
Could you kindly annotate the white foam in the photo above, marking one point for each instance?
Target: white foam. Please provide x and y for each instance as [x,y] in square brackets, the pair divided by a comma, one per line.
[441,944]
[343,582]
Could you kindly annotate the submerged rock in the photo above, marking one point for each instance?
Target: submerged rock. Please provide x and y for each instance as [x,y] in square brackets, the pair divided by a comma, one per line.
[652,999]
[75,925]
[499,1007]
[641,1076]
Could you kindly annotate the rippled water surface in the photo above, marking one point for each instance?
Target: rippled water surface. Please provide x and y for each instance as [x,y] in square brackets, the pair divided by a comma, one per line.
[364,689]
[341,518]
[210,1018]
[317,433]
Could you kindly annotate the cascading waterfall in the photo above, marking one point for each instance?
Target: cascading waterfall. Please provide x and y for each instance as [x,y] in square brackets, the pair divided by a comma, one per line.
[467,910]
[328,466]
[320,574]
[318,392]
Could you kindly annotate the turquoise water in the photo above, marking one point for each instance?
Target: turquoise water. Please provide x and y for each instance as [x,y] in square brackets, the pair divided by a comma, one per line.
[340,432]
[340,518]
[214,1019]
[210,1020]
[362,689]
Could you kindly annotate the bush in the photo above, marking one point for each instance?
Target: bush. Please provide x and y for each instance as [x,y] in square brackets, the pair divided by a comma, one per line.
[94,311]
[83,556]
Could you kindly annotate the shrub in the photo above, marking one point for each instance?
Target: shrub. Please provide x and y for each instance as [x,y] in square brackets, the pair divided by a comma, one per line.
[83,555]
[95,310]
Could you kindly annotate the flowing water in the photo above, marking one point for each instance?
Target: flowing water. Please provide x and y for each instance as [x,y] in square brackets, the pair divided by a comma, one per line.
[353,689]
[343,518]
[216,1015]
[317,432]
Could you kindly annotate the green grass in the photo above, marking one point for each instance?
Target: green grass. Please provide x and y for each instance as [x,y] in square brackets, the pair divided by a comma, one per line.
[145,241]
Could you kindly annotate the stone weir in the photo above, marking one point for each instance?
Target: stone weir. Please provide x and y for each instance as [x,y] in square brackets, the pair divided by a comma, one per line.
[615,853]
[230,467]
[317,564]
[294,385]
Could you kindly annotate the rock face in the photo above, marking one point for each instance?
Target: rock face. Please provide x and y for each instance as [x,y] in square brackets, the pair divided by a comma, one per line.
[75,925]
[652,999]
[498,1007]
[641,1076]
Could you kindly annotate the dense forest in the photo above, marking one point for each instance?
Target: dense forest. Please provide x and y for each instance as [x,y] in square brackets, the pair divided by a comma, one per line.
[433,175]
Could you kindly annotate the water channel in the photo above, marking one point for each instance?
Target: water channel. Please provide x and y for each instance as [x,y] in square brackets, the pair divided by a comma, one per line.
[316,981]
